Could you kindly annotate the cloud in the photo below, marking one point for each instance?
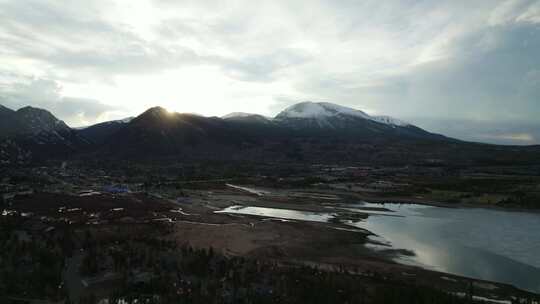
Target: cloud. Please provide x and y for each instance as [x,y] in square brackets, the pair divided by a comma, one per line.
[516,137]
[46,94]
[487,74]
[77,43]
[506,132]
[264,67]
[80,47]
[442,60]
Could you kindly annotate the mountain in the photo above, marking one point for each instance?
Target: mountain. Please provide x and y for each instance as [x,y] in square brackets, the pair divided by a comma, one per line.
[9,123]
[306,132]
[235,115]
[301,130]
[319,115]
[33,133]
[99,133]
[29,121]
[247,118]
[319,111]
[332,119]
[329,115]
[159,132]
[40,121]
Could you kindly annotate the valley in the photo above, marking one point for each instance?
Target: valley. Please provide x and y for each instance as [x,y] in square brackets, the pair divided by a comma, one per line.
[167,206]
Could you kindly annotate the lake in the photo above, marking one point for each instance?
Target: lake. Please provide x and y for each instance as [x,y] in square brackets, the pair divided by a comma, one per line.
[495,245]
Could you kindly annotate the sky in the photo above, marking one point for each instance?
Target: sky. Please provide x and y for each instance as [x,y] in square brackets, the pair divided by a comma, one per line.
[468,69]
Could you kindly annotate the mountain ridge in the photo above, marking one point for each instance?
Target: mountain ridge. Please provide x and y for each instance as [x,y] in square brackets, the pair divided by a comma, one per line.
[159,132]
[313,132]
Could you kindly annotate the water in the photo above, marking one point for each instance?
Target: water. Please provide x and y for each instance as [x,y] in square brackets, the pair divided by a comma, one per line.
[494,245]
[279,213]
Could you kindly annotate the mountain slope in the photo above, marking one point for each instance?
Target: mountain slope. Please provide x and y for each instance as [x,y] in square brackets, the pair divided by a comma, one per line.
[159,132]
[29,121]
[40,121]
[307,131]
[247,118]
[32,133]
[335,120]
[302,130]
[9,123]
[99,133]
[319,111]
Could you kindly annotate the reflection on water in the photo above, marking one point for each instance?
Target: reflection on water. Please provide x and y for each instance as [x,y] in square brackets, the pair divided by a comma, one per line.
[279,213]
[487,244]
[493,245]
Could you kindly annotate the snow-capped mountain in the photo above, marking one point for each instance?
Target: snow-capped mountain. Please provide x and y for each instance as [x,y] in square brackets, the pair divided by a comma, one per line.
[319,110]
[325,114]
[328,119]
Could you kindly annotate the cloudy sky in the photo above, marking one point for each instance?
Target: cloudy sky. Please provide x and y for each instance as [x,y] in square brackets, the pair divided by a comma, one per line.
[469,69]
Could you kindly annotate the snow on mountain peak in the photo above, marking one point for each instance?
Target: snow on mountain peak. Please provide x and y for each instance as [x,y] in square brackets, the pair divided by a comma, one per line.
[390,121]
[126,120]
[319,110]
[237,114]
[323,110]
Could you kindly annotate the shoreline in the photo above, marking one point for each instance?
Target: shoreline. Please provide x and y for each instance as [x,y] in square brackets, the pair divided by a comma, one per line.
[316,206]
[419,201]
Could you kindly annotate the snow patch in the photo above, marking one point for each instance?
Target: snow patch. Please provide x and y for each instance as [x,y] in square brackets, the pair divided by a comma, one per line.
[126,120]
[390,121]
[119,121]
[483,299]
[238,114]
[317,110]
